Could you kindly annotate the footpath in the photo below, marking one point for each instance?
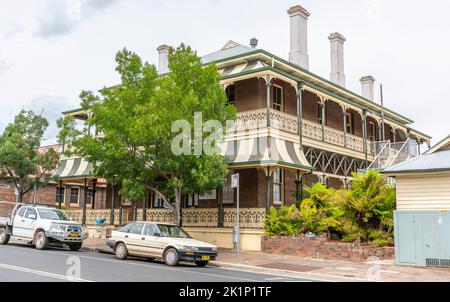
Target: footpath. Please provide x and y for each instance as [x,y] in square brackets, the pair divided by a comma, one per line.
[316,269]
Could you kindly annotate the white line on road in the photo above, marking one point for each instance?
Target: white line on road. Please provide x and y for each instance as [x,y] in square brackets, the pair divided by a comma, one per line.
[41,273]
[160,267]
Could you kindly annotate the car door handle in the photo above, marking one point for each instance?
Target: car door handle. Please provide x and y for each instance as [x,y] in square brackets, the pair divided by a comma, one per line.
[143,238]
[126,236]
[23,220]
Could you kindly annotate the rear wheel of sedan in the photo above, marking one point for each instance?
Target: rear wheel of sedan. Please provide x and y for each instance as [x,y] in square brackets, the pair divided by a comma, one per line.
[171,257]
[40,241]
[74,247]
[201,263]
[4,237]
[121,251]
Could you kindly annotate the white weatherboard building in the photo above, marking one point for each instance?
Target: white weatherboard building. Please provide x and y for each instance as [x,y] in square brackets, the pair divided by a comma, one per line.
[422,219]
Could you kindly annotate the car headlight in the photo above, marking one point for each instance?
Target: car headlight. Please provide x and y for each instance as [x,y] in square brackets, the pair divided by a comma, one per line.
[58,228]
[214,249]
[189,248]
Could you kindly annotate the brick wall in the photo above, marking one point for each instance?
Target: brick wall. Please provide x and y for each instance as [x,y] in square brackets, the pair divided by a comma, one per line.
[334,116]
[321,248]
[309,106]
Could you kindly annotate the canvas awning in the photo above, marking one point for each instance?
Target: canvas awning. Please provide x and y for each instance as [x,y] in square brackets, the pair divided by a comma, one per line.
[260,152]
[73,168]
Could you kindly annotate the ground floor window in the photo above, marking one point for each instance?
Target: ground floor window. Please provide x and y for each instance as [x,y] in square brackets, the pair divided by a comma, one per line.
[192,200]
[90,193]
[60,194]
[228,192]
[277,186]
[158,202]
[74,195]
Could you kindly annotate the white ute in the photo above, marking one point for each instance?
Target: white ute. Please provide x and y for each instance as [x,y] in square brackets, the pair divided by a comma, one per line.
[41,226]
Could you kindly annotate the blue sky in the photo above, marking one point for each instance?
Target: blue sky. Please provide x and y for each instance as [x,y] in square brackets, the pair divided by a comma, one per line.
[50,50]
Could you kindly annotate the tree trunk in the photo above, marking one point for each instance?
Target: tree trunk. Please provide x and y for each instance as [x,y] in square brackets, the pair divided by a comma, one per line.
[178,206]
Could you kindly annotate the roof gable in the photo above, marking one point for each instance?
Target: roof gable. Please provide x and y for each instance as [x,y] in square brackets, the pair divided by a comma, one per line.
[441,146]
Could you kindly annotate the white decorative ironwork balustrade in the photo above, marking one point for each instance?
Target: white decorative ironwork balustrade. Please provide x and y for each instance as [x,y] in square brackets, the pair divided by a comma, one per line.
[249,218]
[93,215]
[257,119]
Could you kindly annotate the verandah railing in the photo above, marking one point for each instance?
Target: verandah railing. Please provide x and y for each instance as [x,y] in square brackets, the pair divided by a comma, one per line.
[250,218]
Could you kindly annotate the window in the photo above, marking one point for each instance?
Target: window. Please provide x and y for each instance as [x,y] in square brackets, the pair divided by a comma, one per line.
[31,212]
[192,200]
[230,91]
[89,196]
[228,192]
[277,186]
[277,96]
[52,214]
[371,131]
[137,228]
[60,194]
[74,195]
[349,123]
[150,229]
[22,211]
[319,113]
[172,231]
[158,202]
[127,228]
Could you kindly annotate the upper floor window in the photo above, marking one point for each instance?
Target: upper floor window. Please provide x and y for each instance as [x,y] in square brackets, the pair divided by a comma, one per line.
[230,91]
[371,131]
[277,186]
[321,113]
[349,123]
[277,93]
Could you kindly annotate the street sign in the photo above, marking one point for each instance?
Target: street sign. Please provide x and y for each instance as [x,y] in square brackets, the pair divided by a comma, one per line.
[234,181]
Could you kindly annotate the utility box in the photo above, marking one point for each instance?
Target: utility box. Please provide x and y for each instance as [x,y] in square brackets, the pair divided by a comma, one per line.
[422,238]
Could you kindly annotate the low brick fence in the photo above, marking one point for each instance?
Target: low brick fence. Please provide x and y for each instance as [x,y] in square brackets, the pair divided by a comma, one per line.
[322,248]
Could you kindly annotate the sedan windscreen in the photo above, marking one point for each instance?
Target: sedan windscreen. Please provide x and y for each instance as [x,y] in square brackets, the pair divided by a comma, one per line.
[172,231]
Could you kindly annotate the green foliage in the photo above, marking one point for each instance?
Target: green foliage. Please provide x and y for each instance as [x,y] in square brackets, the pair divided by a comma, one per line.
[362,214]
[318,212]
[283,222]
[136,119]
[21,161]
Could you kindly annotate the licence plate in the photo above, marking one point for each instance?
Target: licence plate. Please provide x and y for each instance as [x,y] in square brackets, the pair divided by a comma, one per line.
[206,258]
[74,234]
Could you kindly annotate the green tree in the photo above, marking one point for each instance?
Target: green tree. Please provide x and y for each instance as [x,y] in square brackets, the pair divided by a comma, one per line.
[136,120]
[21,160]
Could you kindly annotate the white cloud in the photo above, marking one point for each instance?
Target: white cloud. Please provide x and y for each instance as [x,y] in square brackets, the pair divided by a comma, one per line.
[60,17]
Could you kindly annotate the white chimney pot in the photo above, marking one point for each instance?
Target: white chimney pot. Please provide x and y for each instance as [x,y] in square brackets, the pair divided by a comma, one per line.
[299,36]
[337,59]
[163,62]
[367,87]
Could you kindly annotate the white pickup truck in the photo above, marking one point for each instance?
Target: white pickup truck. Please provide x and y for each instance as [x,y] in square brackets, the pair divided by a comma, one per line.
[41,226]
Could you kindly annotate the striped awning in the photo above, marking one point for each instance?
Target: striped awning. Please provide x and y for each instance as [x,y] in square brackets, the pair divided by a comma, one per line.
[72,168]
[249,66]
[266,152]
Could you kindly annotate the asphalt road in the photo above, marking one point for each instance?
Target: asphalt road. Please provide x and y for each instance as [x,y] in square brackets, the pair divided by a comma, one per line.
[22,263]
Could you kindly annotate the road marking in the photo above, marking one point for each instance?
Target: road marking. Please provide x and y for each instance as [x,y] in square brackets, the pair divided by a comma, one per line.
[275,278]
[79,255]
[41,273]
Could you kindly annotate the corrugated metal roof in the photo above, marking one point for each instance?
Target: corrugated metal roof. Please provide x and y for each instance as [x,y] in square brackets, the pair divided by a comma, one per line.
[434,162]
[230,50]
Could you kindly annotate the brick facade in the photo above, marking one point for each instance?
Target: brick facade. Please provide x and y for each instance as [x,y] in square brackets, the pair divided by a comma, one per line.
[321,248]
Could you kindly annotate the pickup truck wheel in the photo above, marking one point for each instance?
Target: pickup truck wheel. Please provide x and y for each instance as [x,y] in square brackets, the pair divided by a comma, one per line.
[4,237]
[171,257]
[121,251]
[40,241]
[201,263]
[74,247]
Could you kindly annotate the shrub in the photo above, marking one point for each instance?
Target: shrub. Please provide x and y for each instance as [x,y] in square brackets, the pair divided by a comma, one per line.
[362,214]
[283,222]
